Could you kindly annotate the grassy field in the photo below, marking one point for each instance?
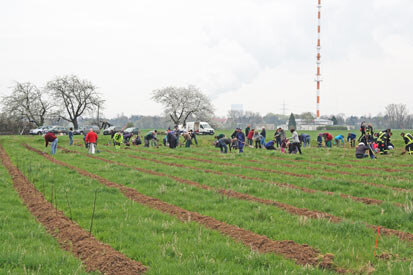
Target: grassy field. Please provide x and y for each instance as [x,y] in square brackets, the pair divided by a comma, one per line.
[196,211]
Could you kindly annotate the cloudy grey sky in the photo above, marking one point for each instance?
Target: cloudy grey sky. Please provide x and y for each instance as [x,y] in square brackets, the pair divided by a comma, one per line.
[258,53]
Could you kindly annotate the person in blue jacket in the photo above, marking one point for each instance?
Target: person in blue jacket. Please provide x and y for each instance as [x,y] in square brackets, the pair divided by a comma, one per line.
[352,139]
[305,139]
[241,139]
[339,138]
[270,145]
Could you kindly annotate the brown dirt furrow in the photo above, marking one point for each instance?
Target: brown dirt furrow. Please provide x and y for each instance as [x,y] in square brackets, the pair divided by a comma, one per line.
[402,235]
[301,254]
[285,185]
[96,256]
[290,174]
[391,170]
[358,199]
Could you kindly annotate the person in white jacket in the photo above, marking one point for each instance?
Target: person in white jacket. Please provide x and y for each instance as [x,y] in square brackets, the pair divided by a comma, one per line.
[294,142]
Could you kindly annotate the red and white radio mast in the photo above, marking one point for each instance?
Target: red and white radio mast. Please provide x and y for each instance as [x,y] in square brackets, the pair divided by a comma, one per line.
[318,76]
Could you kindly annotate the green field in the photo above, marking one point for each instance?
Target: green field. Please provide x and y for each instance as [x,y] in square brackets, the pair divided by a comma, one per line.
[196,211]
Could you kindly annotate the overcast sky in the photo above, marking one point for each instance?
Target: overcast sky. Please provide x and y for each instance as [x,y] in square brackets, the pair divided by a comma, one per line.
[258,53]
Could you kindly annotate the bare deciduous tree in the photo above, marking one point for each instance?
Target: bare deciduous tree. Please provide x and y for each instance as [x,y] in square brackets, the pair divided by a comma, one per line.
[397,115]
[74,97]
[181,103]
[27,102]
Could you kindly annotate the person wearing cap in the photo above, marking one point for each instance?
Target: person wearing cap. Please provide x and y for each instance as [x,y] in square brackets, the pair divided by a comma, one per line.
[408,140]
[361,150]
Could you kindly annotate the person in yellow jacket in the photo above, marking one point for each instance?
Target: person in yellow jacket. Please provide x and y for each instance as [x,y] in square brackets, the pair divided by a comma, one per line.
[117,139]
[408,140]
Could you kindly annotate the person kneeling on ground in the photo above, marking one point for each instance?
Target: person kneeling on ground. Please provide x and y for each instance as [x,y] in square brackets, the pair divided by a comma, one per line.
[408,140]
[361,151]
[295,142]
[270,145]
[91,139]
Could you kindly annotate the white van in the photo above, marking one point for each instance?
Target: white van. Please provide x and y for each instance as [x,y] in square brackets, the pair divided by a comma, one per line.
[200,127]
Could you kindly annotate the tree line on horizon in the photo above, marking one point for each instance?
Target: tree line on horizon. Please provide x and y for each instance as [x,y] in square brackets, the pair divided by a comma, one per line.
[71,101]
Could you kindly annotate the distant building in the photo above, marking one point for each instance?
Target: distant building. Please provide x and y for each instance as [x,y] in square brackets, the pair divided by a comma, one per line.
[237,107]
[305,125]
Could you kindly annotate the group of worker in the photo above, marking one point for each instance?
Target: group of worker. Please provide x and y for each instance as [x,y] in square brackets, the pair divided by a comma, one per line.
[238,140]
[370,143]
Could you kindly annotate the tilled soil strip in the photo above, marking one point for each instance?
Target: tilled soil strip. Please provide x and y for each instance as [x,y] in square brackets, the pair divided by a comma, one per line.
[96,256]
[301,211]
[359,199]
[301,254]
[398,189]
[390,170]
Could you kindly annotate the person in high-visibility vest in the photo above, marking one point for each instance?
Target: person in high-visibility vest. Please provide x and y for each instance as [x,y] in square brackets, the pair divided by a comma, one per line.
[408,140]
[117,139]
[383,141]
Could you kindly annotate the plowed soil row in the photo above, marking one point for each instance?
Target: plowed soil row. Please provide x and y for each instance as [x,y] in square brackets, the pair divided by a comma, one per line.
[390,170]
[301,254]
[359,199]
[301,211]
[96,256]
[397,189]
[285,185]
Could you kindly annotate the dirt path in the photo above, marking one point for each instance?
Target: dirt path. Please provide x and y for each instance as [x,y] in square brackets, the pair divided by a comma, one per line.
[96,256]
[301,254]
[386,231]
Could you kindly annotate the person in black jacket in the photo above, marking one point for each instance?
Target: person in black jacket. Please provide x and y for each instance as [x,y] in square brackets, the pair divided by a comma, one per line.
[172,139]
[263,135]
[247,130]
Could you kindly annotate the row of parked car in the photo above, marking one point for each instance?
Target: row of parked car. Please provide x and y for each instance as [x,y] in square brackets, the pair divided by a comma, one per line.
[82,130]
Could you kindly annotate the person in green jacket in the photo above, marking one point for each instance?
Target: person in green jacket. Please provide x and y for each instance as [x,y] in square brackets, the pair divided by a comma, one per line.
[149,137]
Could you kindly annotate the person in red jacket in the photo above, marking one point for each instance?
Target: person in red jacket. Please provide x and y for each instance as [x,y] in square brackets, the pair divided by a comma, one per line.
[50,137]
[250,136]
[328,139]
[91,139]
